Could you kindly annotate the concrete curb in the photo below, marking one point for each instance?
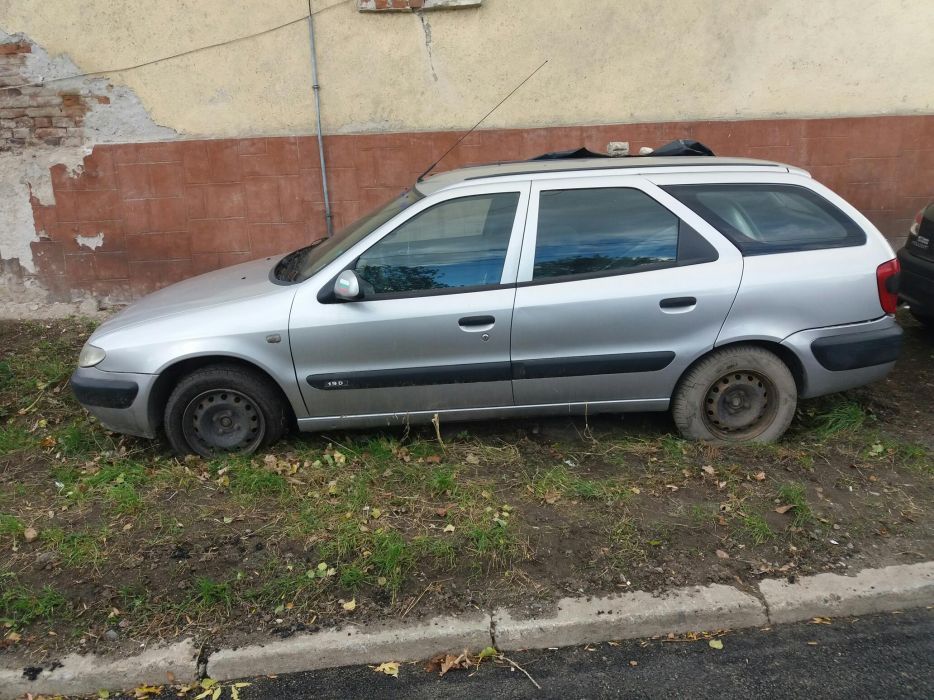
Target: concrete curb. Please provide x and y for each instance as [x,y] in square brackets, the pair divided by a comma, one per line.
[85,675]
[575,621]
[351,646]
[630,615]
[830,595]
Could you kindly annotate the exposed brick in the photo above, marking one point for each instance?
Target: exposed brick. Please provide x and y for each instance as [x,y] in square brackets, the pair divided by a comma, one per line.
[14,48]
[42,122]
[79,267]
[64,122]
[149,275]
[206,262]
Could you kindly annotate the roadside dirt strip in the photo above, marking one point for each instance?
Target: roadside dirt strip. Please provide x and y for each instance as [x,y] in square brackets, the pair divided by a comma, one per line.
[574,621]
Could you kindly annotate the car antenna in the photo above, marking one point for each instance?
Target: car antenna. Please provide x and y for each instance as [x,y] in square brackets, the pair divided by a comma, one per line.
[474,127]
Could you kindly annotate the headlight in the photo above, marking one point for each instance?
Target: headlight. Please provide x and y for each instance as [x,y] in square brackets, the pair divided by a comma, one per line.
[90,356]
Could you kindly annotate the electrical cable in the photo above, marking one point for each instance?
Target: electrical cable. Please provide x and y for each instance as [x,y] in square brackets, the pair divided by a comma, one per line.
[303,18]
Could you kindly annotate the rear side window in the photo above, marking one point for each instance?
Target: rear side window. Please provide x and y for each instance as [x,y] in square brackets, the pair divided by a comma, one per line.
[770,218]
[602,231]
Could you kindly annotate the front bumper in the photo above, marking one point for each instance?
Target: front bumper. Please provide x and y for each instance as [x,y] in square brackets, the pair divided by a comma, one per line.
[119,400]
[916,283]
[845,357]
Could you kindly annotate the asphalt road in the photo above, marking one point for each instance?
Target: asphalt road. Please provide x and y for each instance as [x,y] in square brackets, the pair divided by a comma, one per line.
[882,656]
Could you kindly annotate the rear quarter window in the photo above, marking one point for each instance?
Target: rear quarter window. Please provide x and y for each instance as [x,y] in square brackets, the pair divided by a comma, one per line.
[770,218]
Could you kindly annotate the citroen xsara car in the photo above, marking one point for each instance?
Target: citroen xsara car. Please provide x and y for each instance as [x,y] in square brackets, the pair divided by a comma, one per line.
[723,289]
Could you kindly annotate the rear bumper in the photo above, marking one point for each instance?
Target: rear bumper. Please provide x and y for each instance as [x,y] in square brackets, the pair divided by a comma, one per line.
[844,357]
[119,400]
[916,283]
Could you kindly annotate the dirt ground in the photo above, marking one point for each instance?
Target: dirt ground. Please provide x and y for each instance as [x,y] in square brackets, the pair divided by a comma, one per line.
[109,542]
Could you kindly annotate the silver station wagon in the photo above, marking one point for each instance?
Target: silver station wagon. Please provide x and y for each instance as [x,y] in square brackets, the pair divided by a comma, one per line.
[722,289]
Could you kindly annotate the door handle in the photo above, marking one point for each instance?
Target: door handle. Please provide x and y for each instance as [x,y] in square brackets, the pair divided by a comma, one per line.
[677,302]
[475,322]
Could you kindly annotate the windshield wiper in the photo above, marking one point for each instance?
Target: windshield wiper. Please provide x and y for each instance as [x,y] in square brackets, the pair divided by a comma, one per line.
[289,268]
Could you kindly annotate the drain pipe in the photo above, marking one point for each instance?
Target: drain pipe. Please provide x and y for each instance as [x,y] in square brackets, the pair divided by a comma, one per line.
[316,89]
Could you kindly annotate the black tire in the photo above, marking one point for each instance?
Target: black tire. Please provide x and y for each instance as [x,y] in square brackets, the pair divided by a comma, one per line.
[742,393]
[224,409]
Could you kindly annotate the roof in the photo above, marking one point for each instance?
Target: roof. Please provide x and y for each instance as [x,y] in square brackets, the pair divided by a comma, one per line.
[635,164]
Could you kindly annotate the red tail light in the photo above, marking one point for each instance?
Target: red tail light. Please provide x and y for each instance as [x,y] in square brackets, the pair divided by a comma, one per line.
[887,281]
[916,226]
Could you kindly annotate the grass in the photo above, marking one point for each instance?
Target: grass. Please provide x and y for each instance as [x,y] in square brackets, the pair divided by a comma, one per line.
[10,526]
[20,607]
[794,494]
[389,513]
[756,528]
[77,549]
[844,417]
[14,437]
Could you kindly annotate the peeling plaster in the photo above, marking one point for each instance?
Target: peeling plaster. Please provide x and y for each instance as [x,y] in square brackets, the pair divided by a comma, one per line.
[25,173]
[92,242]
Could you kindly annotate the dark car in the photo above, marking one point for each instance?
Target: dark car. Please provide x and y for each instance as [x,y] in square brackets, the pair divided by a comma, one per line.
[916,286]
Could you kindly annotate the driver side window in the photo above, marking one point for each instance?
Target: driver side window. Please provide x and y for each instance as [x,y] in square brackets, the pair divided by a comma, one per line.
[457,243]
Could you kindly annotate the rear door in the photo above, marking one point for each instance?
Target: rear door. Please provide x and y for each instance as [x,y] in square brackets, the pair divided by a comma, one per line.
[620,288]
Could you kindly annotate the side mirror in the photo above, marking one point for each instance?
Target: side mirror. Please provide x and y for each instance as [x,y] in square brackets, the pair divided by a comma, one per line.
[347,286]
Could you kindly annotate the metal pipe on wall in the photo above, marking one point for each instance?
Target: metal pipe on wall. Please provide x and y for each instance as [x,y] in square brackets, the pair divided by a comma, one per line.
[316,89]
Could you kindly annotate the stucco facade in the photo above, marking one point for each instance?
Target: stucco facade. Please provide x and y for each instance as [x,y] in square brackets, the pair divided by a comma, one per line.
[838,86]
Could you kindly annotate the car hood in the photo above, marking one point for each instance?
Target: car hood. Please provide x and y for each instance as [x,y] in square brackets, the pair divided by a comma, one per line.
[224,286]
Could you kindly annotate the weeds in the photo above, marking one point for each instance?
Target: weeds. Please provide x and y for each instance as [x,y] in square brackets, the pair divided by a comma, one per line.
[757,529]
[20,607]
[794,495]
[845,417]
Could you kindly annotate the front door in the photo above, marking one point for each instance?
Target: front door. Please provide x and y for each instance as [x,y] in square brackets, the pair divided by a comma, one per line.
[618,293]
[432,331]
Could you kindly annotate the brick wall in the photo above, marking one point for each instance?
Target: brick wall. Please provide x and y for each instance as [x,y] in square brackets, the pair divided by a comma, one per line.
[175,209]
[32,115]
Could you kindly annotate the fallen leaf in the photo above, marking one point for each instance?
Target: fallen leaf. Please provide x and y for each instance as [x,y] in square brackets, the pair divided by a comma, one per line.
[636,490]
[30,534]
[487,653]
[350,605]
[433,459]
[821,621]
[760,476]
[672,487]
[707,469]
[375,513]
[454,662]
[715,644]
[390,668]
[13,637]
[471,458]
[449,528]
[784,509]
[633,663]
[722,555]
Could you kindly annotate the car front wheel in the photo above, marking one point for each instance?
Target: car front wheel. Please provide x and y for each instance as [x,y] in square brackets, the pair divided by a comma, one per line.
[224,409]
[737,394]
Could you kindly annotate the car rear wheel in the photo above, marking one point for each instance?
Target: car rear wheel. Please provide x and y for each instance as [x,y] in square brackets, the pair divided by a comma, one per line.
[224,409]
[738,394]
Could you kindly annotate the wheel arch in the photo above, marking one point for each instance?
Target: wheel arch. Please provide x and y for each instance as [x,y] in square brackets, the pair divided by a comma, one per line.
[785,354]
[170,375]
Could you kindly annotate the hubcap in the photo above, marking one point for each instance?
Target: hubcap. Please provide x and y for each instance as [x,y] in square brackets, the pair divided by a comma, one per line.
[223,420]
[739,405]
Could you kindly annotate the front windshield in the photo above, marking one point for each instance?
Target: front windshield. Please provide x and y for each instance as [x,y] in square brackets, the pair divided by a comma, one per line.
[305,262]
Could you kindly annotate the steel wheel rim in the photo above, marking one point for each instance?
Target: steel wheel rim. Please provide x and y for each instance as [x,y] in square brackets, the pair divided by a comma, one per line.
[223,420]
[740,405]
